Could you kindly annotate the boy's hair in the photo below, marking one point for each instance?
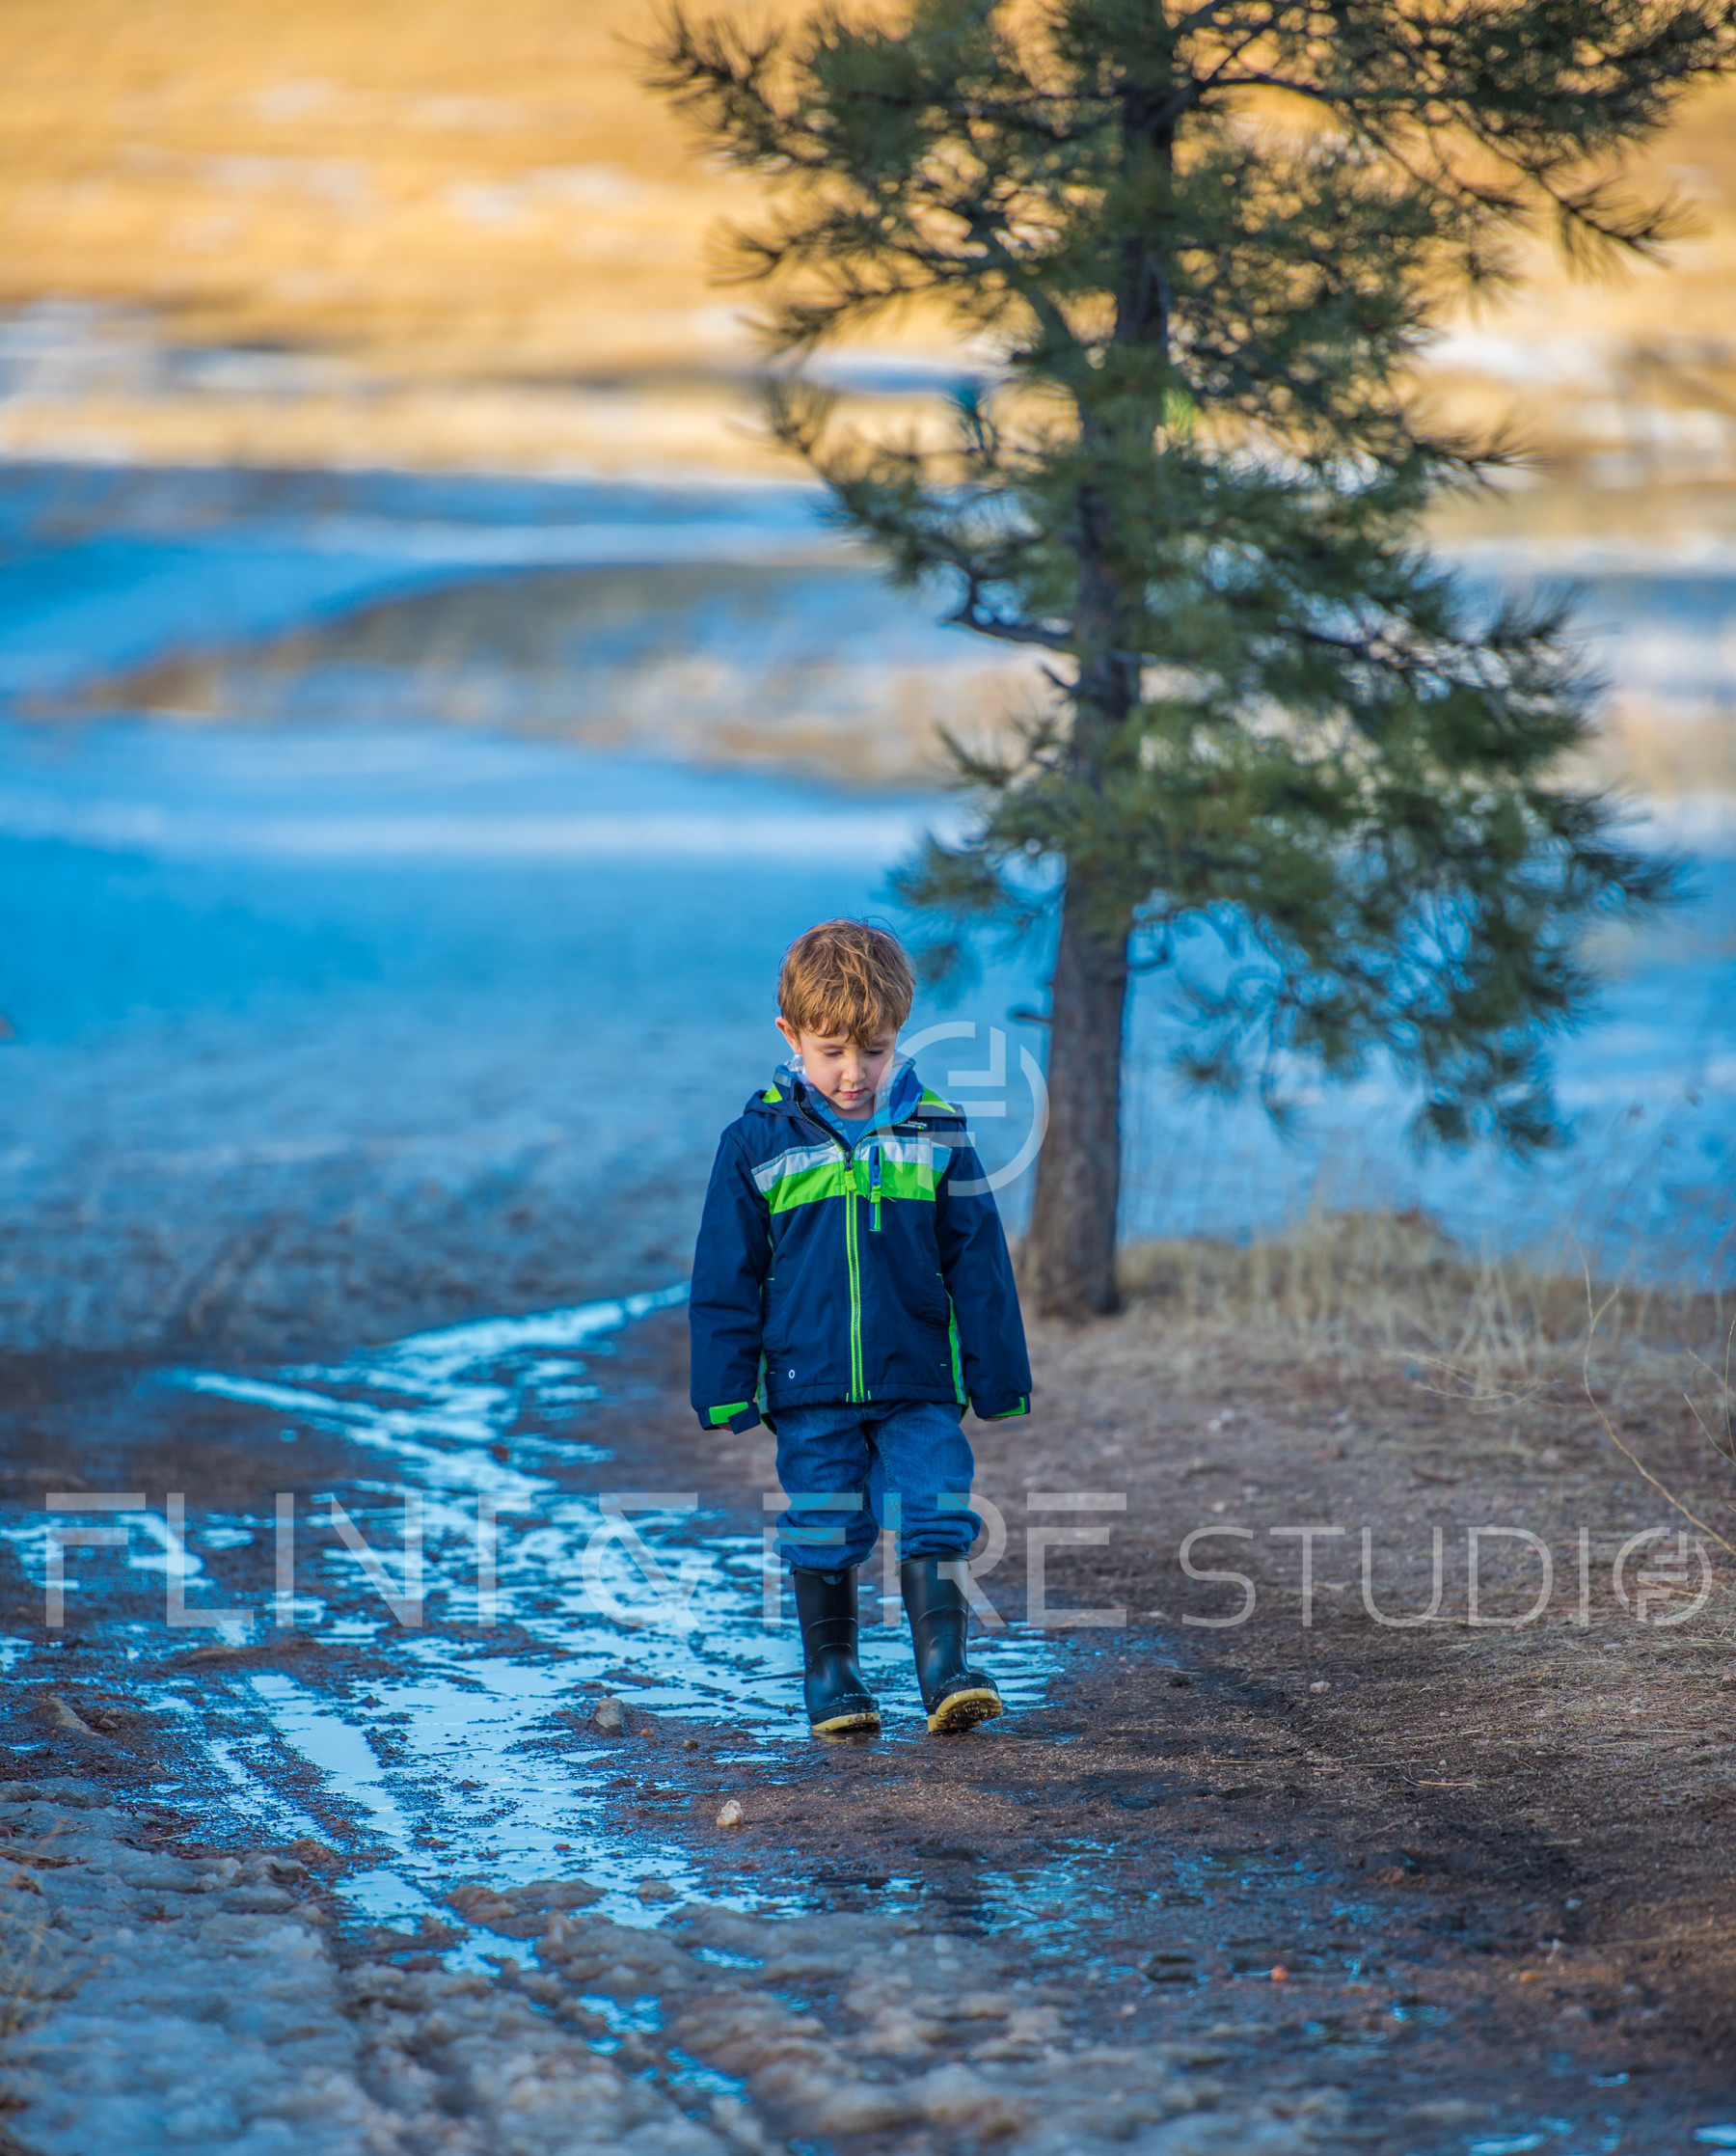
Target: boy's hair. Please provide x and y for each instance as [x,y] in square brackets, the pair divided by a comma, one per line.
[846,978]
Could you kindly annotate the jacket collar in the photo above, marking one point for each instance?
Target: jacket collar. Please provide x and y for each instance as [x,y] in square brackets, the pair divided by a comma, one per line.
[898,1099]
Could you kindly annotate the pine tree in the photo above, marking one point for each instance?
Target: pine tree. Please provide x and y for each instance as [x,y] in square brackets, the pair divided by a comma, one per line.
[1289,760]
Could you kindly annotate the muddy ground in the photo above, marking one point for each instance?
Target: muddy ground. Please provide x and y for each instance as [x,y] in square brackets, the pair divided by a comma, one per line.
[1254,1887]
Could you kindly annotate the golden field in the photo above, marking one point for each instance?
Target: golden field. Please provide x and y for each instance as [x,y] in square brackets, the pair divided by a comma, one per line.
[435,234]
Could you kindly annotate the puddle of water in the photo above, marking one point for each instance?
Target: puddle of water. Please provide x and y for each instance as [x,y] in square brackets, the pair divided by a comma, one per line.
[438,1402]
[683,2072]
[458,1757]
[449,1760]
[454,1761]
[339,1749]
[251,1794]
[164,1550]
[385,1897]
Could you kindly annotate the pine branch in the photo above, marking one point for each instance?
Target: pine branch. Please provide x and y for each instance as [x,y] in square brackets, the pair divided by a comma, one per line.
[1197,471]
[969,614]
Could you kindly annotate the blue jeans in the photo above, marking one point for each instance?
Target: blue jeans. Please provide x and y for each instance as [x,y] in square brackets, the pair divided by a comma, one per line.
[849,1471]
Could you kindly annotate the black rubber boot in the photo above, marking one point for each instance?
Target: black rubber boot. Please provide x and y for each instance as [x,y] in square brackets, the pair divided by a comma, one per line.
[956,1697]
[838,1701]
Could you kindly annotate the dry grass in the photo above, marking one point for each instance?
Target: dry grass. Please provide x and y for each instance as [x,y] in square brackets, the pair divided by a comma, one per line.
[447,191]
[35,1973]
[1492,1332]
[503,238]
[1660,755]
[1397,1281]
[1636,1375]
[483,225]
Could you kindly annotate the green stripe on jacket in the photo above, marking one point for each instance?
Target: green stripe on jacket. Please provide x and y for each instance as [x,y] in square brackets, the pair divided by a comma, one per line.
[834,1179]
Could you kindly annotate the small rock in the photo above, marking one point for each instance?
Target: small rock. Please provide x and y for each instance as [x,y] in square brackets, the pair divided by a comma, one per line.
[53,1709]
[82,1796]
[732,1814]
[1281,1975]
[690,1744]
[258,1901]
[1322,1684]
[655,1889]
[610,1715]
[307,1850]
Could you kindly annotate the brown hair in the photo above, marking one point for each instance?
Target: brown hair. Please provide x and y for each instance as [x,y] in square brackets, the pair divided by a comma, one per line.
[846,978]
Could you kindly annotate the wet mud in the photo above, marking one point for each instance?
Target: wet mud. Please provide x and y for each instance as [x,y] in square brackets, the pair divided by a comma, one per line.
[1252,1889]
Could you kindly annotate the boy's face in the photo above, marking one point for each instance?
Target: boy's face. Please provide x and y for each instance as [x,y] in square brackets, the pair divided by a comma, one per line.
[846,1073]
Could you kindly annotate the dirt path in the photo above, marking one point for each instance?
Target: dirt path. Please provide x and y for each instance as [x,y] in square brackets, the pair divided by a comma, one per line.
[1487,1860]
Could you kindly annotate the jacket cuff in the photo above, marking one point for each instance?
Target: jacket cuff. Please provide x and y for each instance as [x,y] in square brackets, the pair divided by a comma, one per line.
[735,1414]
[1001,1410]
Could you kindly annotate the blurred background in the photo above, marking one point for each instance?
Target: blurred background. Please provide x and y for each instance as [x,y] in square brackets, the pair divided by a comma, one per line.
[428,707]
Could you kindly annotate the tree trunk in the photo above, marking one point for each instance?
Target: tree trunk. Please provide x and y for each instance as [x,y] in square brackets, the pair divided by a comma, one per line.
[1070,1253]
[1069,1256]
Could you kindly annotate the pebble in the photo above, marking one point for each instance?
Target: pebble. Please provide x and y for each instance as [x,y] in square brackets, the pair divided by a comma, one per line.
[1322,1684]
[53,1709]
[732,1814]
[611,1716]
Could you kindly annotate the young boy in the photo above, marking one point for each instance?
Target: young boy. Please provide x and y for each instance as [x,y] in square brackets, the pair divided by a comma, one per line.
[852,1287]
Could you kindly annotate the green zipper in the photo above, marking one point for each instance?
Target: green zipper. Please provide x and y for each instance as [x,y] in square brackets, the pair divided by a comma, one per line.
[857,1390]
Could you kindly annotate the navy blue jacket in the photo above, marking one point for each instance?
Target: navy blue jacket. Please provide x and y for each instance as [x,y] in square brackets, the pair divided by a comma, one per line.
[851,1268]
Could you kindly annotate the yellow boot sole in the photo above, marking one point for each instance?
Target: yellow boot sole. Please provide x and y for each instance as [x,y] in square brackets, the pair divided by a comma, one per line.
[845,1725]
[964,1710]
